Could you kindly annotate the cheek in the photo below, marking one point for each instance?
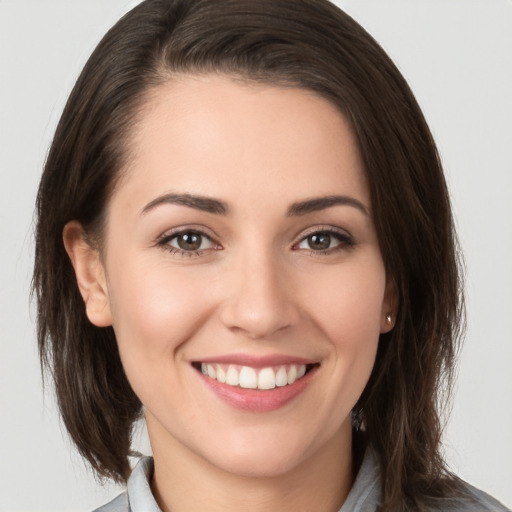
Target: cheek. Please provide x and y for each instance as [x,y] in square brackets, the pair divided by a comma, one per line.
[347,308]
[348,303]
[154,311]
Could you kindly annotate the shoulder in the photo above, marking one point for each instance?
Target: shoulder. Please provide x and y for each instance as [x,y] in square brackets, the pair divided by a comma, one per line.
[138,495]
[485,501]
[119,504]
[470,500]
[366,493]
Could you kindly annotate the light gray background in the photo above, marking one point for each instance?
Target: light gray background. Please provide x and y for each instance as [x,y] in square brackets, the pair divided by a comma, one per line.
[456,55]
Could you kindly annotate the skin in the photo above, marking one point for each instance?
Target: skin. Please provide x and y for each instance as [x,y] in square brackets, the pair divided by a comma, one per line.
[255,287]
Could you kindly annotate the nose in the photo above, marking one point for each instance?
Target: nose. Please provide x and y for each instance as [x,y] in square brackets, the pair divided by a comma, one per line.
[259,299]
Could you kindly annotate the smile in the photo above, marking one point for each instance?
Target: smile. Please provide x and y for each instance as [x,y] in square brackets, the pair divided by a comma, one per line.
[247,377]
[256,383]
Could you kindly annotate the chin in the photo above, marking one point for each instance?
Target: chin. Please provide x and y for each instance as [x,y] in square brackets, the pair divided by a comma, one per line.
[260,459]
[259,466]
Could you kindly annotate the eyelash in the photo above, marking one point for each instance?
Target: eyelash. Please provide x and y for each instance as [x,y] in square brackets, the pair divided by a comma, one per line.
[164,242]
[344,239]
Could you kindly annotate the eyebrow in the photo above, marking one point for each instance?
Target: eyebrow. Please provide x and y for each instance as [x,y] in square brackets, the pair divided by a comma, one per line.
[215,206]
[321,203]
[205,204]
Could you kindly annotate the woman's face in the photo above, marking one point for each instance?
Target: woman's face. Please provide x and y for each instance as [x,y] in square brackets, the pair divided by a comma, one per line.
[240,243]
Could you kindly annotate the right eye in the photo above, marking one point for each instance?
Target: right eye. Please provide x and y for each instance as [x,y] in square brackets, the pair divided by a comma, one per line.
[325,241]
[187,242]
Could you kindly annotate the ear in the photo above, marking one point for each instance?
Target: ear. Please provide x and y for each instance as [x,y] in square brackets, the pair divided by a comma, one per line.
[389,307]
[90,274]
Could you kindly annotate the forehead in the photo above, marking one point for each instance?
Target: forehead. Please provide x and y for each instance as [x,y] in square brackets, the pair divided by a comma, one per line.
[212,135]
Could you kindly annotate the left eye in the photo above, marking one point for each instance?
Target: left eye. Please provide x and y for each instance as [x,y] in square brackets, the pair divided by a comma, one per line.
[190,241]
[322,241]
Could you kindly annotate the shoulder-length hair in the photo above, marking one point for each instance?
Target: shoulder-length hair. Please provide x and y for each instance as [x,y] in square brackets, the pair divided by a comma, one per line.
[297,43]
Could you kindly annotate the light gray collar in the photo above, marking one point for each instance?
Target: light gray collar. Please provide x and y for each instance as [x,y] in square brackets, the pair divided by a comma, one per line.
[364,496]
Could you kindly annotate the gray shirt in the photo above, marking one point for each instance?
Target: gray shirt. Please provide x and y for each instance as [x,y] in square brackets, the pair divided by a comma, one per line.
[365,495]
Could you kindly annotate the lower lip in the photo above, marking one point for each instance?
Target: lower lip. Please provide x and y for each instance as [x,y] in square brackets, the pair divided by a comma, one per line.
[255,400]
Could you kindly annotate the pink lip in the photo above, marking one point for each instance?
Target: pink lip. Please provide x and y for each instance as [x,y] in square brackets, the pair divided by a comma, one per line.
[255,400]
[257,361]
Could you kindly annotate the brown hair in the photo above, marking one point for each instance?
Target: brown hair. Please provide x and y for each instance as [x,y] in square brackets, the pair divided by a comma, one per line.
[301,43]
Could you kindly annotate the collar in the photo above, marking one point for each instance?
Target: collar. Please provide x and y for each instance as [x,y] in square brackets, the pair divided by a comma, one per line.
[365,495]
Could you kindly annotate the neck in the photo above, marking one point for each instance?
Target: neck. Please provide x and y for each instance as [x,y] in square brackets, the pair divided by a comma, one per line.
[184,481]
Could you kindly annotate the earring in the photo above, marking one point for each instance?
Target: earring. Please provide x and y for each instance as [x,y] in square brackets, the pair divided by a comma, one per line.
[388,318]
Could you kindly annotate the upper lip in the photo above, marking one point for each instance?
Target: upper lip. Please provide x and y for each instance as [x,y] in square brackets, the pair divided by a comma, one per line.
[256,361]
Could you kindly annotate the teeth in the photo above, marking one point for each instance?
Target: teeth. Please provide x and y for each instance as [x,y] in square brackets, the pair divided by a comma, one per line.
[281,377]
[292,374]
[267,379]
[221,374]
[250,378]
[232,376]
[211,372]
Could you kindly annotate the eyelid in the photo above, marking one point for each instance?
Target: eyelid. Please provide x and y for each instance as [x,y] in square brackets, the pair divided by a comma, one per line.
[345,238]
[163,239]
[197,228]
[322,228]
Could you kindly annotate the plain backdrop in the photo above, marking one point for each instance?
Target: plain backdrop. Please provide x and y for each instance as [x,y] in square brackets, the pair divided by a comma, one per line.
[457,57]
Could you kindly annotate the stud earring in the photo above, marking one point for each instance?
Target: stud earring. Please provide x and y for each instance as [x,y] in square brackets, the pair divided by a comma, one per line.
[388,318]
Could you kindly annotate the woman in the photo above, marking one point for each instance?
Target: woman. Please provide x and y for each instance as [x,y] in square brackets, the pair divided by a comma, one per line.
[247,200]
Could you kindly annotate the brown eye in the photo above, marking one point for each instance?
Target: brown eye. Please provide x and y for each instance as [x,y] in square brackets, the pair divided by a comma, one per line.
[322,241]
[319,241]
[189,241]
